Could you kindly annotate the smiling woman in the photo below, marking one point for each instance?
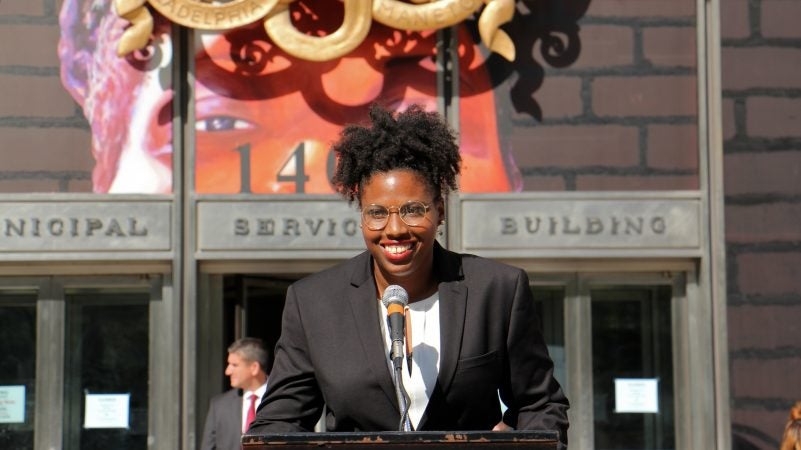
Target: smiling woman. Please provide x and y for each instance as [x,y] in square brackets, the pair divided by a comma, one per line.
[402,252]
[476,333]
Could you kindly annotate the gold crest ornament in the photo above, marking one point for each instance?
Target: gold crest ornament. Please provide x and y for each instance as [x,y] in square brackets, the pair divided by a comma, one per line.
[415,15]
[137,35]
[354,28]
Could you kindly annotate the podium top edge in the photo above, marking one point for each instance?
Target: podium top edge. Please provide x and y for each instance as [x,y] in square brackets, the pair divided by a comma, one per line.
[399,437]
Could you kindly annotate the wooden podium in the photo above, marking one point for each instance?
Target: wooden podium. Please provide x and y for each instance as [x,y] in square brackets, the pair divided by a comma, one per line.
[396,440]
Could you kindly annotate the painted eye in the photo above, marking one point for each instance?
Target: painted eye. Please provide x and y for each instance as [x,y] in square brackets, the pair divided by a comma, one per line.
[222,123]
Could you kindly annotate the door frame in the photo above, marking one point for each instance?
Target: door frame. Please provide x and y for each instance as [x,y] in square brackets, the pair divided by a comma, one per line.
[163,367]
[693,369]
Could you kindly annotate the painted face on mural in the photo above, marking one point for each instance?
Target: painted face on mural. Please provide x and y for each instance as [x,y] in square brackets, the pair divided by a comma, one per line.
[263,119]
[127,101]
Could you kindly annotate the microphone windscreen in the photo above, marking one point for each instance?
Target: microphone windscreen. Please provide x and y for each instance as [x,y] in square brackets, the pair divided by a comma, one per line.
[395,294]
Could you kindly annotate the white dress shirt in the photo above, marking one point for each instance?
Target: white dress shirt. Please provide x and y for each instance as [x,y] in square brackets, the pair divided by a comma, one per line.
[425,354]
[246,402]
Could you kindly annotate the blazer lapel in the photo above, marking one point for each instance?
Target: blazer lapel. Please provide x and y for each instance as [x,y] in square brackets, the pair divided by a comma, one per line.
[364,306]
[235,409]
[452,304]
[452,298]
[452,310]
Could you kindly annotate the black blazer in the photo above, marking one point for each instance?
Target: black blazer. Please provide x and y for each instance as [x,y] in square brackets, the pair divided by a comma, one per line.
[331,351]
[223,429]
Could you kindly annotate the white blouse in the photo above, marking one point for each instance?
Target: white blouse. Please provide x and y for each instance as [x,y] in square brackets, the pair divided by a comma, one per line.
[425,353]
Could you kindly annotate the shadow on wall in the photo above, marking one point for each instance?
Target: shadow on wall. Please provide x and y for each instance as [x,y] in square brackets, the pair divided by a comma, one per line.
[549,27]
[750,438]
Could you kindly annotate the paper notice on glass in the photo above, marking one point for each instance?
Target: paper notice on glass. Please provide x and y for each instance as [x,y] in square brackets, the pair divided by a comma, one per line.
[106,411]
[636,395]
[12,404]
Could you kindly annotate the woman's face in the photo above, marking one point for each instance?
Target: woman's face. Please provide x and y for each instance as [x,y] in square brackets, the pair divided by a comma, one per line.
[402,254]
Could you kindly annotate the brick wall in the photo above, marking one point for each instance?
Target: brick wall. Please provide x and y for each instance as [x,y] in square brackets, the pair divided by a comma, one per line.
[44,139]
[761,57]
[622,113]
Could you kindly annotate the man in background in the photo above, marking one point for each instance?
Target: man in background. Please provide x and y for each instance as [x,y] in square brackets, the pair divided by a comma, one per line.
[230,413]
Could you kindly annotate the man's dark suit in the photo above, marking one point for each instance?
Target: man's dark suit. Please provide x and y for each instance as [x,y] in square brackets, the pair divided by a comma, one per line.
[223,429]
[331,351]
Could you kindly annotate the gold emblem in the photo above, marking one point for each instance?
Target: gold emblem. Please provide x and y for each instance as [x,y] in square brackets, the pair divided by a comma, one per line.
[213,15]
[347,37]
[419,15]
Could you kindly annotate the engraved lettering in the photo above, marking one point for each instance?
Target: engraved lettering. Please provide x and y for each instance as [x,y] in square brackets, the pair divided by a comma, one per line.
[18,228]
[114,229]
[291,226]
[658,225]
[508,225]
[566,229]
[314,226]
[241,227]
[133,230]
[183,11]
[55,227]
[438,15]
[36,227]
[634,225]
[419,18]
[588,226]
[235,16]
[93,225]
[310,227]
[266,227]
[350,227]
[615,225]
[553,223]
[594,225]
[533,225]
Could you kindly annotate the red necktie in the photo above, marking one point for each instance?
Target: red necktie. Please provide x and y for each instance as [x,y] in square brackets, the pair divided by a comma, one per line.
[251,411]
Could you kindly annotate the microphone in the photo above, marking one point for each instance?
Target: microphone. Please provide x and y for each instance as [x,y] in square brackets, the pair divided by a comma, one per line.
[395,300]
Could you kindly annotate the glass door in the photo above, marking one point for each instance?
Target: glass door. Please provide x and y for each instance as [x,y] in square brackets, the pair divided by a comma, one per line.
[17,368]
[89,362]
[107,370]
[631,356]
[632,367]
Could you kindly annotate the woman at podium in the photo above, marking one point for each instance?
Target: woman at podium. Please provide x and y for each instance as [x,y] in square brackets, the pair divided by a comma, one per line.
[473,332]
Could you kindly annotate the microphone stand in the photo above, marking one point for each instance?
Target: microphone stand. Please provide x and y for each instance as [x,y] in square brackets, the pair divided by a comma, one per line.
[403,398]
[395,299]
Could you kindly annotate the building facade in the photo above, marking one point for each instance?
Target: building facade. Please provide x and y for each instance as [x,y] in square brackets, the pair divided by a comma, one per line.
[157,198]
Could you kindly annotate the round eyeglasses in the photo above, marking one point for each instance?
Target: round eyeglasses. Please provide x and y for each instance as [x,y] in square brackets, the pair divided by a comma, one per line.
[413,213]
